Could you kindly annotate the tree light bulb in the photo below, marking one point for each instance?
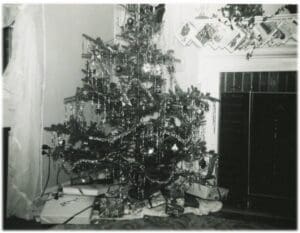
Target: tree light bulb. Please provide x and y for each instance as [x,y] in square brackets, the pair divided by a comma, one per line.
[151,151]
[174,148]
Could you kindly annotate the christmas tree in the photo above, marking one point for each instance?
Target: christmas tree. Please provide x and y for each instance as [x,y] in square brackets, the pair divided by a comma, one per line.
[143,123]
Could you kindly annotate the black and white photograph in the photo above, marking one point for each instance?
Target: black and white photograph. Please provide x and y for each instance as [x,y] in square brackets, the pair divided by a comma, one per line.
[149,115]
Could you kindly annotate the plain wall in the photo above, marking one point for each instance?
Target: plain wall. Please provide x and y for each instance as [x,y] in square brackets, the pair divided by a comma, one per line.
[65,24]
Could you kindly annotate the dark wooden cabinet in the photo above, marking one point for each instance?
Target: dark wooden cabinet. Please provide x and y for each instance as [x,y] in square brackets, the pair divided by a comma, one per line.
[273,145]
[234,144]
[258,140]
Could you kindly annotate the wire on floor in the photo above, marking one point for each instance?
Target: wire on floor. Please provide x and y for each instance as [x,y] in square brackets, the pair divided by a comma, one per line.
[73,216]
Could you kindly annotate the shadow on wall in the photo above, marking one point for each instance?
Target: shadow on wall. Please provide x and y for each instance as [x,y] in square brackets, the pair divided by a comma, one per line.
[64,27]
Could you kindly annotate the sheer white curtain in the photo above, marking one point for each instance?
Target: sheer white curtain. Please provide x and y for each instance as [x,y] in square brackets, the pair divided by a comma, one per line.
[23,84]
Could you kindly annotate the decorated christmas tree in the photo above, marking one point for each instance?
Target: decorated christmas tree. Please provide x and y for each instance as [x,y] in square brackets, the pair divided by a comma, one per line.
[142,123]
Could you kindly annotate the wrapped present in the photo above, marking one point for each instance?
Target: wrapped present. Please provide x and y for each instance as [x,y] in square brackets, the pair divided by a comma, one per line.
[133,207]
[109,207]
[205,207]
[211,181]
[156,199]
[208,164]
[159,211]
[175,207]
[95,217]
[132,210]
[57,211]
[104,176]
[86,190]
[190,201]
[209,206]
[205,166]
[185,165]
[207,192]
[81,180]
[117,190]
[176,189]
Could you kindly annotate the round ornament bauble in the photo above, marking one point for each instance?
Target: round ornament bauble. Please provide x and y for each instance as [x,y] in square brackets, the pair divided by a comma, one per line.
[119,69]
[150,151]
[61,141]
[202,163]
[146,68]
[130,21]
[157,70]
[174,148]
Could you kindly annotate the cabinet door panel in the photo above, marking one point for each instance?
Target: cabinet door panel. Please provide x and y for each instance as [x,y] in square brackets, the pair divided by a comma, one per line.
[233,144]
[273,145]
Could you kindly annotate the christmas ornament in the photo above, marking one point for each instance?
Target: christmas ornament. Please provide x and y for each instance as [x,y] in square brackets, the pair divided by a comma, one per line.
[130,21]
[147,85]
[202,163]
[200,112]
[147,30]
[145,43]
[156,70]
[122,179]
[174,148]
[150,151]
[207,192]
[119,69]
[146,68]
[61,141]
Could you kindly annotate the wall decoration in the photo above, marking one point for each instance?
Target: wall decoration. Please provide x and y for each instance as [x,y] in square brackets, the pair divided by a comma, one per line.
[240,27]
[185,33]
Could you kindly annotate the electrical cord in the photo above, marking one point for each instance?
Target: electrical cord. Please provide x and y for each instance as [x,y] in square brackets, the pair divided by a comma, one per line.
[48,177]
[57,175]
[73,216]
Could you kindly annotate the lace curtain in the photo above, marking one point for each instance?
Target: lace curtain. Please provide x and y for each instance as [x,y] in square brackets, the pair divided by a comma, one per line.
[23,84]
